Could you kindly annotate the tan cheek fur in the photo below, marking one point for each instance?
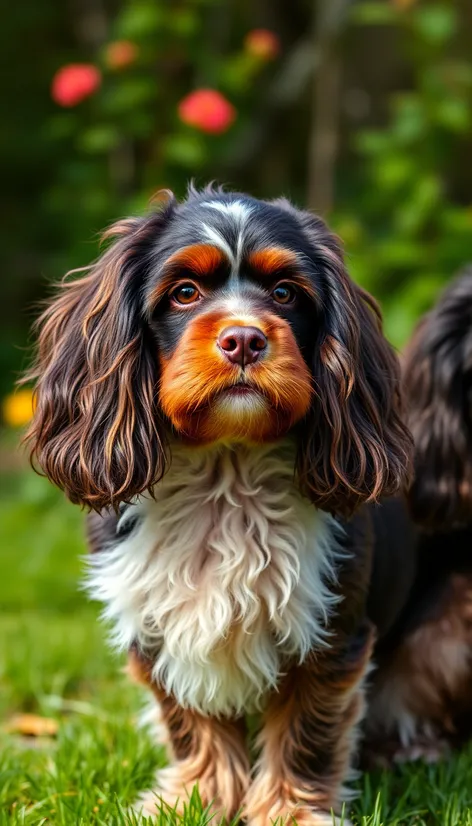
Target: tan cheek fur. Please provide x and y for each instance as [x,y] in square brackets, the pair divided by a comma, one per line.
[193,379]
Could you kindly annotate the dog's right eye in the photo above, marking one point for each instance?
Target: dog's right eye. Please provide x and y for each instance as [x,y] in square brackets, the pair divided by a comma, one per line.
[185,294]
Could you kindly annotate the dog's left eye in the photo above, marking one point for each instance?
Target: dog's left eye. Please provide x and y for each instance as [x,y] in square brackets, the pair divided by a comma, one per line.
[186,294]
[284,294]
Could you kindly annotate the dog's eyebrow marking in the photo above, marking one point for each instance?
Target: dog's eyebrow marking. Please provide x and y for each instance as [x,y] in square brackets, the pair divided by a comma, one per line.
[202,259]
[272,261]
[198,259]
[268,261]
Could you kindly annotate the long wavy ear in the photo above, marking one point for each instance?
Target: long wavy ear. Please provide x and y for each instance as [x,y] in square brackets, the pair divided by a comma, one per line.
[354,445]
[438,383]
[95,431]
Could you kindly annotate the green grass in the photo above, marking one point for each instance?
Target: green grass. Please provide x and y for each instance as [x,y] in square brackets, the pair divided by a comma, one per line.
[54,662]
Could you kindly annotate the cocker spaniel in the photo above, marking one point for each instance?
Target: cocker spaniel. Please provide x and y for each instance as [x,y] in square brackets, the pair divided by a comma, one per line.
[219,393]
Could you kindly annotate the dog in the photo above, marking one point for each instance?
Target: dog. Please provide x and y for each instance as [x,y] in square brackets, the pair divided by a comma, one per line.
[420,703]
[219,393]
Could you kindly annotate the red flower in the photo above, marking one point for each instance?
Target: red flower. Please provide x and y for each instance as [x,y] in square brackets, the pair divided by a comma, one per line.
[262,43]
[120,54]
[73,83]
[208,110]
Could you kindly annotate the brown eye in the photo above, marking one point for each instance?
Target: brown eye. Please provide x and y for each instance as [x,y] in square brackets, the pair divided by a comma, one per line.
[186,294]
[284,294]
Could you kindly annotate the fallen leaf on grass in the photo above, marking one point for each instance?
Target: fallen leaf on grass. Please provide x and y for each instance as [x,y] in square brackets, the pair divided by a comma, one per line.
[31,725]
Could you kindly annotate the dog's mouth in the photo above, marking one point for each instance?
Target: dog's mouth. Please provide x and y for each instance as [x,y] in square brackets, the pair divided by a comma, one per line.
[248,405]
[241,389]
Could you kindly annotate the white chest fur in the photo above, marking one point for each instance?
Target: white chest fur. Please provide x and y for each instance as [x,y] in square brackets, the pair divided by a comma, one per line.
[224,577]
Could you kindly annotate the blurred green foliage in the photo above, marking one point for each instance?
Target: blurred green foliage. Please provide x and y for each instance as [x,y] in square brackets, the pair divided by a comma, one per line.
[403,181]
[411,228]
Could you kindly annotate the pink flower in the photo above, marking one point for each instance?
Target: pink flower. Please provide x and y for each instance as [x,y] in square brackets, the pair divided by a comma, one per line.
[262,43]
[120,54]
[208,110]
[73,83]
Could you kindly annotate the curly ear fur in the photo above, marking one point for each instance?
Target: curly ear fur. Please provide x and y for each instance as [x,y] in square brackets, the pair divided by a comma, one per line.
[95,431]
[438,383]
[354,445]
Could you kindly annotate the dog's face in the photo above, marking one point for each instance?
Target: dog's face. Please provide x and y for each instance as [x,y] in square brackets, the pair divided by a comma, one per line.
[233,303]
[220,319]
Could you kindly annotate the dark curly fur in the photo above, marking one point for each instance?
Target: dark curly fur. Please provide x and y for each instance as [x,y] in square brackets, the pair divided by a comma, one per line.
[438,386]
[421,696]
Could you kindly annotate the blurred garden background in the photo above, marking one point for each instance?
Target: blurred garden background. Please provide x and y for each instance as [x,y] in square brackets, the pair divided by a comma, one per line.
[359,110]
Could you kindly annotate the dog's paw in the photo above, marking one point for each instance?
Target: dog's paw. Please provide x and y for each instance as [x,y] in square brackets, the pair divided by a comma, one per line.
[170,798]
[168,795]
[316,817]
[152,803]
[431,752]
[427,750]
[297,816]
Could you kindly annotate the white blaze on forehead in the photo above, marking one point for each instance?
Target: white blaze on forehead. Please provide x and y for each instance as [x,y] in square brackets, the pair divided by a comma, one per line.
[237,210]
[215,238]
[238,213]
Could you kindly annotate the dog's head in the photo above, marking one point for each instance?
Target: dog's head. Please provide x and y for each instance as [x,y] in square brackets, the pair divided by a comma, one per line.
[221,319]
[438,384]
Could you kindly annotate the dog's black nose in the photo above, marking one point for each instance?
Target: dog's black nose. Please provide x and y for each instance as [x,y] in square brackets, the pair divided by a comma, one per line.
[242,345]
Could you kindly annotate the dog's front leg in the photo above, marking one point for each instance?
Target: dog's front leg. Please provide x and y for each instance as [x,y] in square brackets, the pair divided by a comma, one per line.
[204,751]
[309,735]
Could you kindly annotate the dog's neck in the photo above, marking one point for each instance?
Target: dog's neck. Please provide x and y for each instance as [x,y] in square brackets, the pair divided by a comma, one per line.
[224,576]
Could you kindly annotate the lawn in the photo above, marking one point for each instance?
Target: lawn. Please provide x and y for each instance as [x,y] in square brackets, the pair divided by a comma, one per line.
[54,663]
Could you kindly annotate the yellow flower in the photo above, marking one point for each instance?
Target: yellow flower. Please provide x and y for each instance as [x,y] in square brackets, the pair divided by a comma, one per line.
[18,408]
